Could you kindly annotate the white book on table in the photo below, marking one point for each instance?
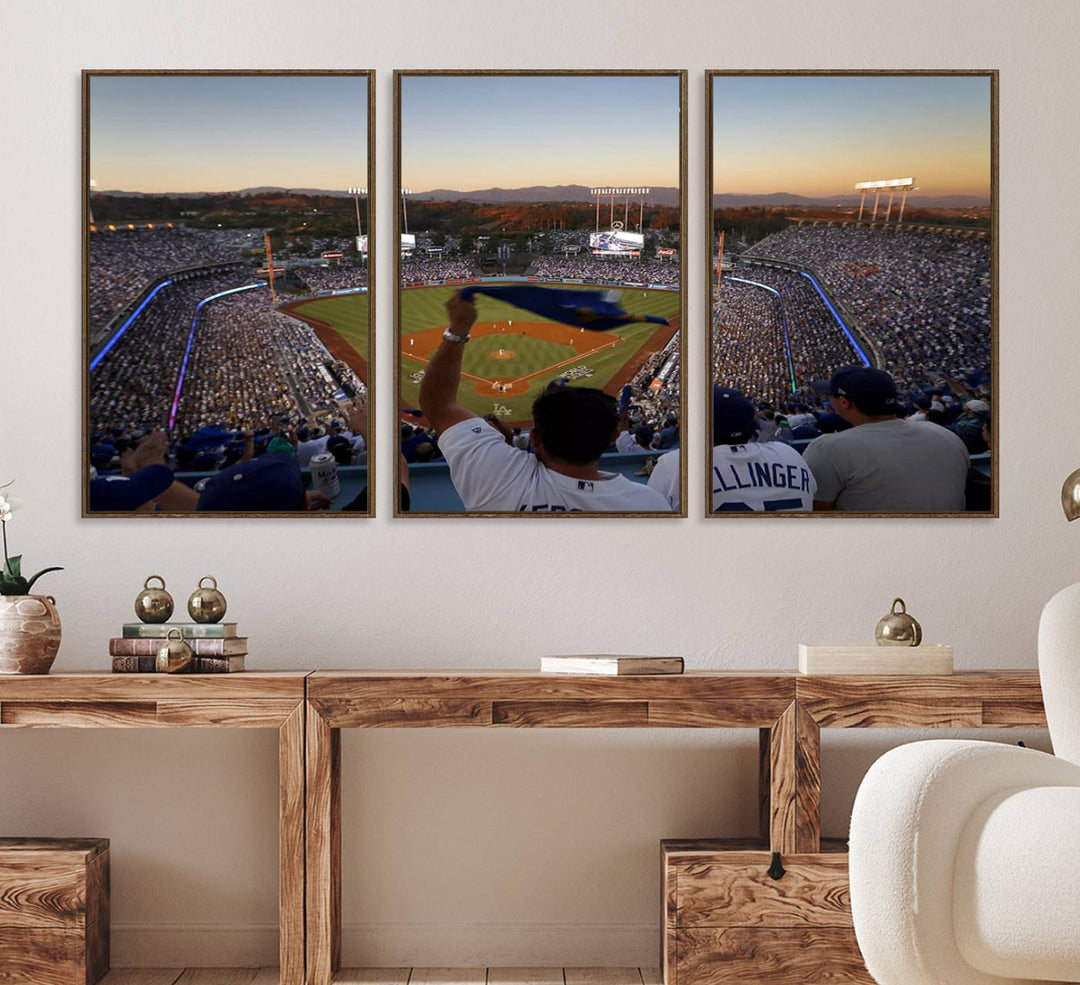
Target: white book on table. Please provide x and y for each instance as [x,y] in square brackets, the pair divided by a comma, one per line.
[610,664]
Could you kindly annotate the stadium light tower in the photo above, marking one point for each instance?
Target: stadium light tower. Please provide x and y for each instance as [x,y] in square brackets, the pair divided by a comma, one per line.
[597,192]
[884,184]
[405,208]
[641,209]
[356,193]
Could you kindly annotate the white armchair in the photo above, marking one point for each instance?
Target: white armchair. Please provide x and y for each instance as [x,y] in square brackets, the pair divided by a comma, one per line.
[965,856]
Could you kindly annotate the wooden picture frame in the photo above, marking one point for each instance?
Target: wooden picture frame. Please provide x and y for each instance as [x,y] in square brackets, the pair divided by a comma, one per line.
[746,89]
[309,355]
[405,390]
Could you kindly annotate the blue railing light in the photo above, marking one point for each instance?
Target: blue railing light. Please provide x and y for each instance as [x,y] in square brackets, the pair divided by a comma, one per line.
[839,321]
[783,323]
[123,328]
[191,339]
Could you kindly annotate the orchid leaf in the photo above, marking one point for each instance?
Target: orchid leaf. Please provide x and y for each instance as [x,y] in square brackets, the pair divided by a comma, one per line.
[14,586]
[14,566]
[43,571]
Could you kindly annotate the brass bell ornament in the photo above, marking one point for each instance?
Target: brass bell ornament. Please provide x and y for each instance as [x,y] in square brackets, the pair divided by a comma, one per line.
[174,656]
[207,604]
[898,628]
[153,605]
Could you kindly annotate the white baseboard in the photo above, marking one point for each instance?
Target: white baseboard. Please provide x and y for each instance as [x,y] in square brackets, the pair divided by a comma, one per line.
[395,945]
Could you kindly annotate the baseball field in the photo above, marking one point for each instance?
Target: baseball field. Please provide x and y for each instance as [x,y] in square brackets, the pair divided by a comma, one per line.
[341,322]
[514,354]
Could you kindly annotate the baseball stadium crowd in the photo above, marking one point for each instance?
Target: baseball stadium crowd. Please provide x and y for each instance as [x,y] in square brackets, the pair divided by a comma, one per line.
[921,297]
[608,270]
[331,278]
[255,383]
[756,333]
[249,366]
[435,268]
[123,262]
[898,438]
[748,340]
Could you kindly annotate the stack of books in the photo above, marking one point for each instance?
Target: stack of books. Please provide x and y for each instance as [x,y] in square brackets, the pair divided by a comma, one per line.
[217,648]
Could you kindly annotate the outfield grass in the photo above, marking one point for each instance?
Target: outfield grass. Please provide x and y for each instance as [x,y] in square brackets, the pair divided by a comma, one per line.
[425,308]
[347,314]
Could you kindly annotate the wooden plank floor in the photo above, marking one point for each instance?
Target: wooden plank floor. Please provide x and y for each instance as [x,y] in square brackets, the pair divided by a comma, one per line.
[392,976]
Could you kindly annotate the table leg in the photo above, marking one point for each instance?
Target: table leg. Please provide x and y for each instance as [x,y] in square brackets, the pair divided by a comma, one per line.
[323,849]
[291,847]
[792,770]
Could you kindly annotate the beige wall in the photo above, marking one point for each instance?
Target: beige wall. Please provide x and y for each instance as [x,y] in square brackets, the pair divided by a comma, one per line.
[506,847]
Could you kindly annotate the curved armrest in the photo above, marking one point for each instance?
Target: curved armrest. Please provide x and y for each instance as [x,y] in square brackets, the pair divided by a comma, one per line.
[910,816]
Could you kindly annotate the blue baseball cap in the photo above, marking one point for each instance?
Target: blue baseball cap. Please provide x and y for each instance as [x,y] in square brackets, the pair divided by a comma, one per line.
[732,417]
[102,454]
[211,436]
[124,493]
[871,390]
[269,483]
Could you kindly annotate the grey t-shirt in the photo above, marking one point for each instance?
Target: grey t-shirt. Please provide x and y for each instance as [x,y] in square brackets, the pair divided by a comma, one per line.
[890,467]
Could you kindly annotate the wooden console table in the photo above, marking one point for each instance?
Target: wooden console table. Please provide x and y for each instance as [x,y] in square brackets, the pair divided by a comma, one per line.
[248,700]
[789,710]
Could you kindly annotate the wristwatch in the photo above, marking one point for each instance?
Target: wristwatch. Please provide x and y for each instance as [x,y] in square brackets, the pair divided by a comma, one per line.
[449,336]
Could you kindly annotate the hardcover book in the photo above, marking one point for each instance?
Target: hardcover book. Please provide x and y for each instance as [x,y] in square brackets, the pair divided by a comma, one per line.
[190,630]
[148,647]
[202,665]
[612,665]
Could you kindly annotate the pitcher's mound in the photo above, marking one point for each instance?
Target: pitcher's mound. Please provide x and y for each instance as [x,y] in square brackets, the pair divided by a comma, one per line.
[503,354]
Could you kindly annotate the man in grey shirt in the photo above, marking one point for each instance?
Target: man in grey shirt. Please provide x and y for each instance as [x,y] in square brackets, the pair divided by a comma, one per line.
[884,464]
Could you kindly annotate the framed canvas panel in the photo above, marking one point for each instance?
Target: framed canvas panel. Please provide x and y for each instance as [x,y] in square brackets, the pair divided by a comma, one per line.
[228,293]
[539,221]
[852,292]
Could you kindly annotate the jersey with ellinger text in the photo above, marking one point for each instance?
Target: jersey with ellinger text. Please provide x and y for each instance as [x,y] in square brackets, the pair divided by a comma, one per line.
[490,475]
[770,477]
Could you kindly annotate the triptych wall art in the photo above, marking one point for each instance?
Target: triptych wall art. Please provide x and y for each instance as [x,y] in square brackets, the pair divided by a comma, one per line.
[541,339]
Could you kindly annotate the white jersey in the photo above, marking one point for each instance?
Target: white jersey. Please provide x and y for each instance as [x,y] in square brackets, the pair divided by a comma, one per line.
[665,478]
[626,442]
[768,477]
[490,475]
[309,449]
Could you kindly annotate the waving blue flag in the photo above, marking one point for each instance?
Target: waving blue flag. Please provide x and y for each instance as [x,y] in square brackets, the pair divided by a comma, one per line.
[595,310]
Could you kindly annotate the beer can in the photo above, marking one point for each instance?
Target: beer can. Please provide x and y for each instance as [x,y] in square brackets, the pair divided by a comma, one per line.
[324,475]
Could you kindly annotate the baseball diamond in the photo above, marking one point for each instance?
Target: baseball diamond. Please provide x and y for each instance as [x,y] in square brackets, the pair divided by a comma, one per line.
[514,354]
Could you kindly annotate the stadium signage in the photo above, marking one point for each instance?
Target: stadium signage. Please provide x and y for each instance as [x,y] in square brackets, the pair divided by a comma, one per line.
[886,183]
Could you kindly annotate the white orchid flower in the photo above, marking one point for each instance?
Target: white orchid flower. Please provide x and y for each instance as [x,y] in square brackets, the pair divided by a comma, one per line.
[8,505]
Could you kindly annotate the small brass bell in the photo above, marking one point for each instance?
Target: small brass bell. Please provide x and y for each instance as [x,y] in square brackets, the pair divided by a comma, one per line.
[153,604]
[174,656]
[898,628]
[207,604]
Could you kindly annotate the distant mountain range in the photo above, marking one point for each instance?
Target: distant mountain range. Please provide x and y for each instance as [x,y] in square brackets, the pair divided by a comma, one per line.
[729,201]
[540,193]
[580,193]
[492,196]
[261,190]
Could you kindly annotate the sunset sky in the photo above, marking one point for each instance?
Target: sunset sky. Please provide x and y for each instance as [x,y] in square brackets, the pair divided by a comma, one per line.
[222,133]
[818,135]
[465,133]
